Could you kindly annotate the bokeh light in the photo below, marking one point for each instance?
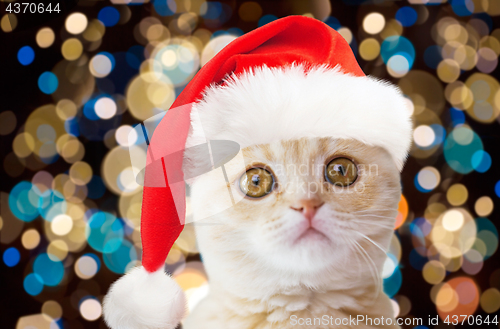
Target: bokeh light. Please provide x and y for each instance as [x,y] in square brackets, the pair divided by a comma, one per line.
[109,16]
[71,205]
[45,37]
[48,82]
[72,49]
[26,55]
[374,23]
[76,23]
[90,309]
[11,257]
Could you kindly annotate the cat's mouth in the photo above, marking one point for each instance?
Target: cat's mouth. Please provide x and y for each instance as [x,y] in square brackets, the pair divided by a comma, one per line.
[311,234]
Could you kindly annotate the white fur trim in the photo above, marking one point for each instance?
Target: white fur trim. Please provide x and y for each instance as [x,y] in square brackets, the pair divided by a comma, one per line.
[270,104]
[143,300]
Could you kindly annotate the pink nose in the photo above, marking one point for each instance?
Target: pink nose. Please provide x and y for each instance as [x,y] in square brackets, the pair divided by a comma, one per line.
[308,207]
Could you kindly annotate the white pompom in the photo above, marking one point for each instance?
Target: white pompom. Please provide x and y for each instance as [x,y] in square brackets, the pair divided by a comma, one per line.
[143,300]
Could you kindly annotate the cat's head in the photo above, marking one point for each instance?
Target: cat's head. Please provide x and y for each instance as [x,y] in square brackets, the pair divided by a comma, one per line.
[321,195]
[309,205]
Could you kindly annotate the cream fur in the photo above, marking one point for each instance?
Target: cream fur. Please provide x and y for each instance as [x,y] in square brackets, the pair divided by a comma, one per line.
[259,277]
[271,104]
[142,300]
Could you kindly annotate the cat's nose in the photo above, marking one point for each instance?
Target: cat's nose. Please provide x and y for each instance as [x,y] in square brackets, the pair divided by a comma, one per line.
[308,207]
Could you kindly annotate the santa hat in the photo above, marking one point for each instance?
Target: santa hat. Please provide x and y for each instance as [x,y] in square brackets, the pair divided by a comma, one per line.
[295,60]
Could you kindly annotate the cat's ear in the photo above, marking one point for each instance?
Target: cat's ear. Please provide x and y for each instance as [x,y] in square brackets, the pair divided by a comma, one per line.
[144,300]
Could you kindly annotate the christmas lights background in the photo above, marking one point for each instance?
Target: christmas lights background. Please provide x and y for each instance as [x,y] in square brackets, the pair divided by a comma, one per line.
[74,85]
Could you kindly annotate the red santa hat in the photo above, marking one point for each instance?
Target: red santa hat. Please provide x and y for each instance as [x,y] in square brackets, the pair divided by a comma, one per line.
[255,76]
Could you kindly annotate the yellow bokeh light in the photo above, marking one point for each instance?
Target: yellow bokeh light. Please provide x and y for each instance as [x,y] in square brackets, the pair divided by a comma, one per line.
[8,22]
[80,173]
[448,70]
[76,23]
[346,33]
[57,250]
[66,109]
[61,224]
[373,23]
[483,206]
[30,239]
[457,194]
[52,310]
[94,31]
[369,49]
[91,309]
[23,145]
[424,136]
[490,300]
[453,220]
[45,37]
[447,298]
[434,272]
[72,49]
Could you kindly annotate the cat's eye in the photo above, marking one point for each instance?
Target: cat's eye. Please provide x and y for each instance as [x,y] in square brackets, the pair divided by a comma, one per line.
[341,172]
[256,182]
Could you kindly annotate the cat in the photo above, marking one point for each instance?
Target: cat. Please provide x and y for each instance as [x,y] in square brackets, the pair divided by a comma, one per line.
[307,241]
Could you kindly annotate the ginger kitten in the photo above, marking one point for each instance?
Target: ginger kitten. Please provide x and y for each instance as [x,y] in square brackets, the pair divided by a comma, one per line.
[307,240]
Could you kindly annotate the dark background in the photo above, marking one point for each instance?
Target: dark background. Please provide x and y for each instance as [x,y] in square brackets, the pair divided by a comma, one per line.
[20,94]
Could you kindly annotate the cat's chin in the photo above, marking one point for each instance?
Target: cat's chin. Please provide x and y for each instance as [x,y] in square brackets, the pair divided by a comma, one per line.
[312,235]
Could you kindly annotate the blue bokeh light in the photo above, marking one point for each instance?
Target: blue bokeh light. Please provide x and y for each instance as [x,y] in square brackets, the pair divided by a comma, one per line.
[481,161]
[393,283]
[33,284]
[89,110]
[104,232]
[433,56]
[51,204]
[211,10]
[118,260]
[407,16]
[397,45]
[462,7]
[235,31]
[109,16]
[96,188]
[418,186]
[165,7]
[11,257]
[333,22]
[457,116]
[484,224]
[267,19]
[417,261]
[26,55]
[48,82]
[23,201]
[50,271]
[459,150]
[497,189]
[215,13]
[134,56]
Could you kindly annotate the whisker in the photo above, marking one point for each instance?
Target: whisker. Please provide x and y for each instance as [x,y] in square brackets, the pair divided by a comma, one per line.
[352,248]
[391,227]
[373,242]
[374,209]
[376,216]
[373,268]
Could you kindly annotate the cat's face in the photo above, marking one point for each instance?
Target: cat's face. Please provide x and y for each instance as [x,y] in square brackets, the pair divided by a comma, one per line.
[310,206]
